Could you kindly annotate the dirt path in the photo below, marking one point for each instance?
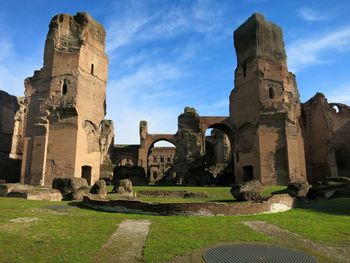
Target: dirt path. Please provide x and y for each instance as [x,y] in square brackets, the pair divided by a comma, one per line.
[126,244]
[284,237]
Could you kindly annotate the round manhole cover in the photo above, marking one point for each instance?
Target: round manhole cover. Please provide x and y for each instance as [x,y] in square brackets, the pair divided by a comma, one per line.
[255,253]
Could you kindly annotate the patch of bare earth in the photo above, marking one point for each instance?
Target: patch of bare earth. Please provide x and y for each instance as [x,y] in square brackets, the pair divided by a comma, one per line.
[126,244]
[286,238]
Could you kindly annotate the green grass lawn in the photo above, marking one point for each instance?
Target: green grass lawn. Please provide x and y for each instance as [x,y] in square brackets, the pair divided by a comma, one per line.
[215,194]
[63,232]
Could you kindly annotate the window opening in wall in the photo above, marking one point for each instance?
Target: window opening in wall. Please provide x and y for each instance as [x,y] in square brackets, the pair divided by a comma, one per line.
[64,88]
[86,173]
[244,69]
[248,173]
[92,69]
[271,93]
[336,108]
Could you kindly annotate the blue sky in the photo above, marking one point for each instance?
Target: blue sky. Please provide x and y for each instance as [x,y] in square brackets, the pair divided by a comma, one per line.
[165,55]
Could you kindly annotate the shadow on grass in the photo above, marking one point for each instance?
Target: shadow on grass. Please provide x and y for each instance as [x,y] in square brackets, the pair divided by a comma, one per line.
[78,204]
[223,201]
[336,206]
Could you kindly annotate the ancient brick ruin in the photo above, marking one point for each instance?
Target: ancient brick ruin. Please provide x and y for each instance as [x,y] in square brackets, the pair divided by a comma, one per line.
[58,129]
[265,107]
[326,129]
[11,131]
[65,134]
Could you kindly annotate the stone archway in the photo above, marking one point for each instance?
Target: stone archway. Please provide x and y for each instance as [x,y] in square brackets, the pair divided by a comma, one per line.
[147,142]
[219,153]
[160,159]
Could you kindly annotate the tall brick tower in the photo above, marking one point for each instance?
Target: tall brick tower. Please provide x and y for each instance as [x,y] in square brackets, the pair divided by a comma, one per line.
[265,107]
[66,103]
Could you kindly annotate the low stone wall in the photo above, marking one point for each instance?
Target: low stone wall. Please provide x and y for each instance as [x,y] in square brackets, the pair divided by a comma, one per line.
[30,192]
[5,189]
[276,203]
[39,194]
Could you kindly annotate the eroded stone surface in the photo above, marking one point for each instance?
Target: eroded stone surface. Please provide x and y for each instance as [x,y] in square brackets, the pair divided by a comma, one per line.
[327,138]
[39,194]
[330,187]
[11,141]
[66,104]
[265,107]
[99,188]
[123,187]
[67,186]
[80,193]
[298,188]
[249,191]
[5,189]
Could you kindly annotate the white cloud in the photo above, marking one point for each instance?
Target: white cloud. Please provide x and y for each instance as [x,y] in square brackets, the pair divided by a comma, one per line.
[202,17]
[309,14]
[310,51]
[6,49]
[14,69]
[339,95]
[154,90]
[214,107]
[147,94]
[122,31]
[148,77]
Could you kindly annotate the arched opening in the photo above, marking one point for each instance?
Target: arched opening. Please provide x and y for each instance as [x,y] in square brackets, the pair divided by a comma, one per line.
[64,88]
[219,154]
[92,69]
[336,108]
[160,160]
[127,167]
[271,93]
[86,173]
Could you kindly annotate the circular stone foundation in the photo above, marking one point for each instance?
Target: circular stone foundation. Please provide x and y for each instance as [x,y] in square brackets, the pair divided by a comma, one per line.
[276,203]
[255,253]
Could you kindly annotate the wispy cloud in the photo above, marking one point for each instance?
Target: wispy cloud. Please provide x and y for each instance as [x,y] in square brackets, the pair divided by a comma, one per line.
[201,16]
[214,107]
[310,14]
[150,78]
[340,94]
[310,51]
[13,70]
[147,94]
[6,49]
[122,31]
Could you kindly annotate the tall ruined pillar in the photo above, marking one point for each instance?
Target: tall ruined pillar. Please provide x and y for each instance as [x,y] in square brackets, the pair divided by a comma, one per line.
[143,150]
[189,157]
[66,103]
[265,107]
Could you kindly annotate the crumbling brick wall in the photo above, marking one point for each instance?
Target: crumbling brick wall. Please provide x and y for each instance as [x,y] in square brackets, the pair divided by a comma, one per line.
[326,129]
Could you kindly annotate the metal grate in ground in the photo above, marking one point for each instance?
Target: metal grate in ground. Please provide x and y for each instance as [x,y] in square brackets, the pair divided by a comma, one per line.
[255,253]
